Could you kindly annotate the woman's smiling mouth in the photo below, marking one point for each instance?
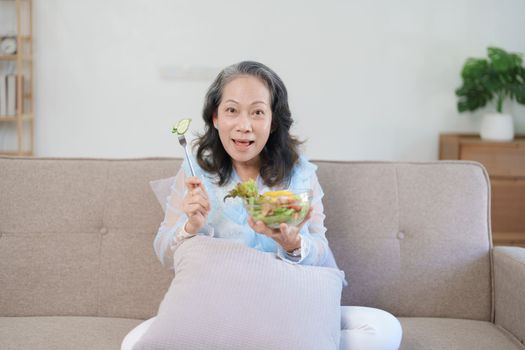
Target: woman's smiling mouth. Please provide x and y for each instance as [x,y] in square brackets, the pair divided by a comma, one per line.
[242,144]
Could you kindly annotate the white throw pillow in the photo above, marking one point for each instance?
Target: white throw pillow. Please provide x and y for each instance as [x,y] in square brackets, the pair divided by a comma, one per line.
[227,296]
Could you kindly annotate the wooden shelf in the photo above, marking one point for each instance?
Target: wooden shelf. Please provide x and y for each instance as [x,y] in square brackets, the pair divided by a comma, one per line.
[24,58]
[14,118]
[8,118]
[451,145]
[16,153]
[509,238]
[8,57]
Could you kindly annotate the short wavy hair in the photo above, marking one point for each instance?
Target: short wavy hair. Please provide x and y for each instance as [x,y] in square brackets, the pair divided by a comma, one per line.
[281,151]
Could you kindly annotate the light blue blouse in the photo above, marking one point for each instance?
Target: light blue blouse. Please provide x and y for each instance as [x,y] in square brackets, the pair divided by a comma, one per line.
[228,219]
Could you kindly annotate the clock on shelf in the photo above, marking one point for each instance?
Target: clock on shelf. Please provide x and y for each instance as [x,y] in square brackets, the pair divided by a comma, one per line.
[8,45]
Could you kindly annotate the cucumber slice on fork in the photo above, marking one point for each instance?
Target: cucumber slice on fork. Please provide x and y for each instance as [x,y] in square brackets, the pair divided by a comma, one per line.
[181,127]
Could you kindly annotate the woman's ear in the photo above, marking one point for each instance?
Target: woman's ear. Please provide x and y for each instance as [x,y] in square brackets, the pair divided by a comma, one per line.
[214,119]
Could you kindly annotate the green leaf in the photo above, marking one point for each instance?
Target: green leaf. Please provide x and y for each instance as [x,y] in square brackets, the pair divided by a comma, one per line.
[520,94]
[500,60]
[246,190]
[474,68]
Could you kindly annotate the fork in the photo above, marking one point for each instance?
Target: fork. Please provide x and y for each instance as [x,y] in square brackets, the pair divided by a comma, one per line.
[184,144]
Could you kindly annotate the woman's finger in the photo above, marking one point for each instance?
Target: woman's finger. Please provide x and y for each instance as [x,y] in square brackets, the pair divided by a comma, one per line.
[288,233]
[192,182]
[258,226]
[306,218]
[268,231]
[201,205]
[284,229]
[255,225]
[202,190]
[198,191]
[195,185]
[194,209]
[199,199]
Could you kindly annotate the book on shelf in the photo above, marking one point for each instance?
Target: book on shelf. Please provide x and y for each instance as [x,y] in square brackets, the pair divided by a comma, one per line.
[3,95]
[11,94]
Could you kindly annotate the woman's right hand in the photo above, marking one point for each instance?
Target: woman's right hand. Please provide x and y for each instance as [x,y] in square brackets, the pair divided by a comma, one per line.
[195,205]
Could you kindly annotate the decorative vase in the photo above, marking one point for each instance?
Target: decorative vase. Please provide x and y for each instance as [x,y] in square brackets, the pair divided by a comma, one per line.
[497,127]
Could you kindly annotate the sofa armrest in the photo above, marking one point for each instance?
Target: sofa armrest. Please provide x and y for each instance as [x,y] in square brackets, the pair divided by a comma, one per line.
[509,288]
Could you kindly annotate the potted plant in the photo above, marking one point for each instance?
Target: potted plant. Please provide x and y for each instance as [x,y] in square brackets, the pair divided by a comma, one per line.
[500,77]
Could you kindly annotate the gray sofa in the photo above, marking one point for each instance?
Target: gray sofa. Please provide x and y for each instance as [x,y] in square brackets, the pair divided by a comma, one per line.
[78,271]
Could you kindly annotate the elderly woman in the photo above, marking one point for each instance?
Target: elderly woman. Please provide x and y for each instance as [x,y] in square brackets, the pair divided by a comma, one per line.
[247,136]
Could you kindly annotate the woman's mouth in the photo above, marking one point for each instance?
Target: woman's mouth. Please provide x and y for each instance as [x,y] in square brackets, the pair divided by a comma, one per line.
[242,144]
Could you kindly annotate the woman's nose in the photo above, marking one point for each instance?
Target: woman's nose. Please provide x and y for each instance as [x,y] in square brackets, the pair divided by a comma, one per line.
[244,123]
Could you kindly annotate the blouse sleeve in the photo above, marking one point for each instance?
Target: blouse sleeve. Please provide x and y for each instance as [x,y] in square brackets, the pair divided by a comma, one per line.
[314,245]
[170,233]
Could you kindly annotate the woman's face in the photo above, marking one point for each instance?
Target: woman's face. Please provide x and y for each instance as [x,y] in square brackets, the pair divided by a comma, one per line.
[244,119]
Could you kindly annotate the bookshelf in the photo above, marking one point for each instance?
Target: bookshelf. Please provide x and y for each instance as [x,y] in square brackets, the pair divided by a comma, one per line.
[16,73]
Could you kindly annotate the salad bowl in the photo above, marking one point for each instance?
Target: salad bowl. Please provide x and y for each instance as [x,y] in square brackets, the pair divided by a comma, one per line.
[274,208]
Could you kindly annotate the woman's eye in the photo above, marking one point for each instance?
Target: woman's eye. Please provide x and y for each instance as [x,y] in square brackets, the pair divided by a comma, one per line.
[259,112]
[230,110]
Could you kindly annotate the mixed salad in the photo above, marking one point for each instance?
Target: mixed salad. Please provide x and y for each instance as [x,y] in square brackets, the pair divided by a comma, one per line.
[272,208]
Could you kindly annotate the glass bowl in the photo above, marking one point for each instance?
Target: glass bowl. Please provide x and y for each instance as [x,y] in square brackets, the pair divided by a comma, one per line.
[275,208]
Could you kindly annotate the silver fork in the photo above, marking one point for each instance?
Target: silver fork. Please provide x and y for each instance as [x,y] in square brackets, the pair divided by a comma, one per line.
[184,144]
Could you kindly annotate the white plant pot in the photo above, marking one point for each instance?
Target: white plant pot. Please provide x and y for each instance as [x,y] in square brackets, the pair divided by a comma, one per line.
[497,127]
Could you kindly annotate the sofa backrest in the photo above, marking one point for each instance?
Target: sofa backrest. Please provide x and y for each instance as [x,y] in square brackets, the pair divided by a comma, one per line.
[412,238]
[76,236]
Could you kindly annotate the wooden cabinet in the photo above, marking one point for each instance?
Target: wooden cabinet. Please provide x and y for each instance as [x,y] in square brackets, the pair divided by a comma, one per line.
[16,73]
[505,163]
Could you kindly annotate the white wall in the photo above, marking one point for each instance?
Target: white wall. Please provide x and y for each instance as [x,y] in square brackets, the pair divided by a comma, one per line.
[367,79]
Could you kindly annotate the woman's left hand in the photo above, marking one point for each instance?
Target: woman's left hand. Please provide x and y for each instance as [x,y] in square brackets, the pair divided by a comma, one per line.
[286,236]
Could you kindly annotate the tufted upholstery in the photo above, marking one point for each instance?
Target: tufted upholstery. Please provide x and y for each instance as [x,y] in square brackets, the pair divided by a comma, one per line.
[413,238]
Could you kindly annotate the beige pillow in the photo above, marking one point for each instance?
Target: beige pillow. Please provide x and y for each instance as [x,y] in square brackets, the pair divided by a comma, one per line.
[227,296]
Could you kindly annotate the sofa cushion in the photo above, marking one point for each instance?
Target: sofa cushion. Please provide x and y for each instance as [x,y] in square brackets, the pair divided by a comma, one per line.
[412,238]
[228,296]
[454,334]
[57,333]
[76,237]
